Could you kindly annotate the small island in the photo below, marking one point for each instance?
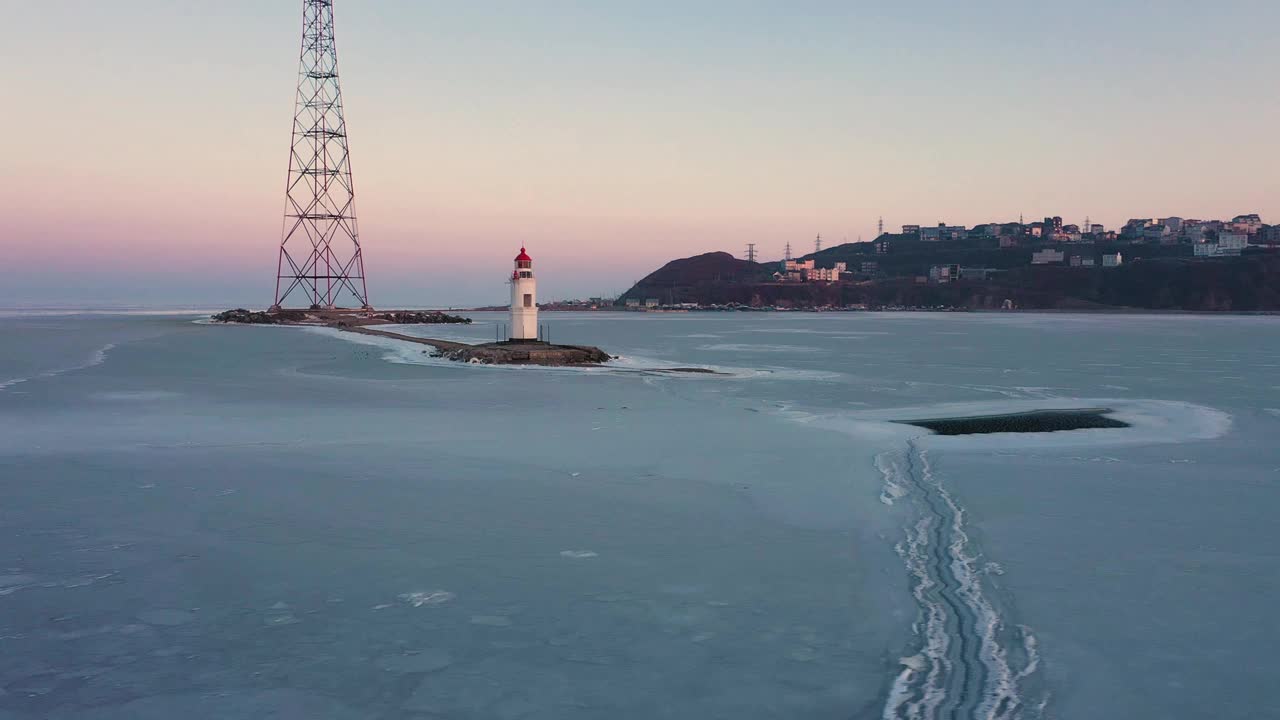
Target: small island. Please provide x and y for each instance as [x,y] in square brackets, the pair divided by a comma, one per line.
[339,317]
[525,352]
[524,347]
[366,322]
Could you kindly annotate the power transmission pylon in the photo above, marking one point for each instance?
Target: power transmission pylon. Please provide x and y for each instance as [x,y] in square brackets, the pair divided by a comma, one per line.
[751,252]
[880,227]
[320,254]
[786,255]
[817,244]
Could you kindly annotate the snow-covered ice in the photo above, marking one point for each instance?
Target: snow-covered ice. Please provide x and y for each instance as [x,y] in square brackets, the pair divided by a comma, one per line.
[182,504]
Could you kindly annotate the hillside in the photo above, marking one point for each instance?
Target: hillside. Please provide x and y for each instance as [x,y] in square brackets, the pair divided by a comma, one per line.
[1242,284]
[688,279]
[908,257]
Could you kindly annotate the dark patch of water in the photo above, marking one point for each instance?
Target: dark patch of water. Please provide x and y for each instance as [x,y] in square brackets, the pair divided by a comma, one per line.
[1038,421]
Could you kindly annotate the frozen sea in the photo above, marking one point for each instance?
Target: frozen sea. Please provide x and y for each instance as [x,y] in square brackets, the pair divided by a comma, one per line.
[203,522]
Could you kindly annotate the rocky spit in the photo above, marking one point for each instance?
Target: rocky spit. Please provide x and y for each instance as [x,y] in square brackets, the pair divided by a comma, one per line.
[339,318]
[527,353]
[511,352]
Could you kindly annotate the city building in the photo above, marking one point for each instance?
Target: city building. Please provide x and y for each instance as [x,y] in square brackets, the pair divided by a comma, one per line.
[826,274]
[1157,233]
[1135,228]
[943,232]
[1195,231]
[807,271]
[1112,260]
[1047,256]
[1154,232]
[944,274]
[971,273]
[1231,243]
[1247,224]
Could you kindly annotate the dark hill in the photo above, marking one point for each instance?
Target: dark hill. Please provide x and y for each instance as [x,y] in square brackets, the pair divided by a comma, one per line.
[689,279]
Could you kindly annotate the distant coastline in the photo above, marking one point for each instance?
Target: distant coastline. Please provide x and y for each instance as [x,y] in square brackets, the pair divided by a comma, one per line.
[931,276]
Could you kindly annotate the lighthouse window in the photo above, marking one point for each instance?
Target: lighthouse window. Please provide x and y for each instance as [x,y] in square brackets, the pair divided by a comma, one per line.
[528,300]
[525,273]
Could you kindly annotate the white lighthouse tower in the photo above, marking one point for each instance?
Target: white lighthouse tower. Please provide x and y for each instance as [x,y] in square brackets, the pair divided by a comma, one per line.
[524,299]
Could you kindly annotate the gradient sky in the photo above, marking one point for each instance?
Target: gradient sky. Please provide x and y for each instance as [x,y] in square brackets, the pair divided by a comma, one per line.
[147,140]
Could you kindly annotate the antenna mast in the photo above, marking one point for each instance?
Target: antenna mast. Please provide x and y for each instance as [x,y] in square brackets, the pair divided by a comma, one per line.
[320,257]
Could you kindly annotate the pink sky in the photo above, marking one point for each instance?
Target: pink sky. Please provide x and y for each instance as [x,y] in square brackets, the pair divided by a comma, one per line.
[151,152]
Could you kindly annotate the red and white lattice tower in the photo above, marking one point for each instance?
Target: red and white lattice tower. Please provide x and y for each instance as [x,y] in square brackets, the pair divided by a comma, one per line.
[320,257]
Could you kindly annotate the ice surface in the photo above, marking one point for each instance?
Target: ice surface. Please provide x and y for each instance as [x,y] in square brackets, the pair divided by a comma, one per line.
[214,521]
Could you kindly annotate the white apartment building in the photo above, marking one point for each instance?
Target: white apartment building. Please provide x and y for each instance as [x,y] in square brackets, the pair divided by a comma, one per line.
[1047,256]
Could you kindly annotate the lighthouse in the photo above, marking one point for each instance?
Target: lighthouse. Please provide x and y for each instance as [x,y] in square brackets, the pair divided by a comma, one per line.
[524,299]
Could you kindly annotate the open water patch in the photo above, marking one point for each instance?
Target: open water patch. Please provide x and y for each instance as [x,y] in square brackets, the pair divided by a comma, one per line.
[1036,421]
[1145,422]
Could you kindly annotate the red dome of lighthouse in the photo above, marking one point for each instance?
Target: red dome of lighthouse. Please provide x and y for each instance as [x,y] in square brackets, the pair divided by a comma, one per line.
[523,256]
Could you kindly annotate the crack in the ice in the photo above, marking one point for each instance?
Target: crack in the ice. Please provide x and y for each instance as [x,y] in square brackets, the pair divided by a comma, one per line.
[969,674]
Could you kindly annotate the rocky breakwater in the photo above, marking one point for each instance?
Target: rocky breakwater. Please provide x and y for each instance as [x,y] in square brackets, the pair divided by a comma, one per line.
[339,318]
[365,322]
[525,353]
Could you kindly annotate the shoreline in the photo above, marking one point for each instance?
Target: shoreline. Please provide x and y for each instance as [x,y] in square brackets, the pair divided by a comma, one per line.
[850,310]
[443,345]
[511,352]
